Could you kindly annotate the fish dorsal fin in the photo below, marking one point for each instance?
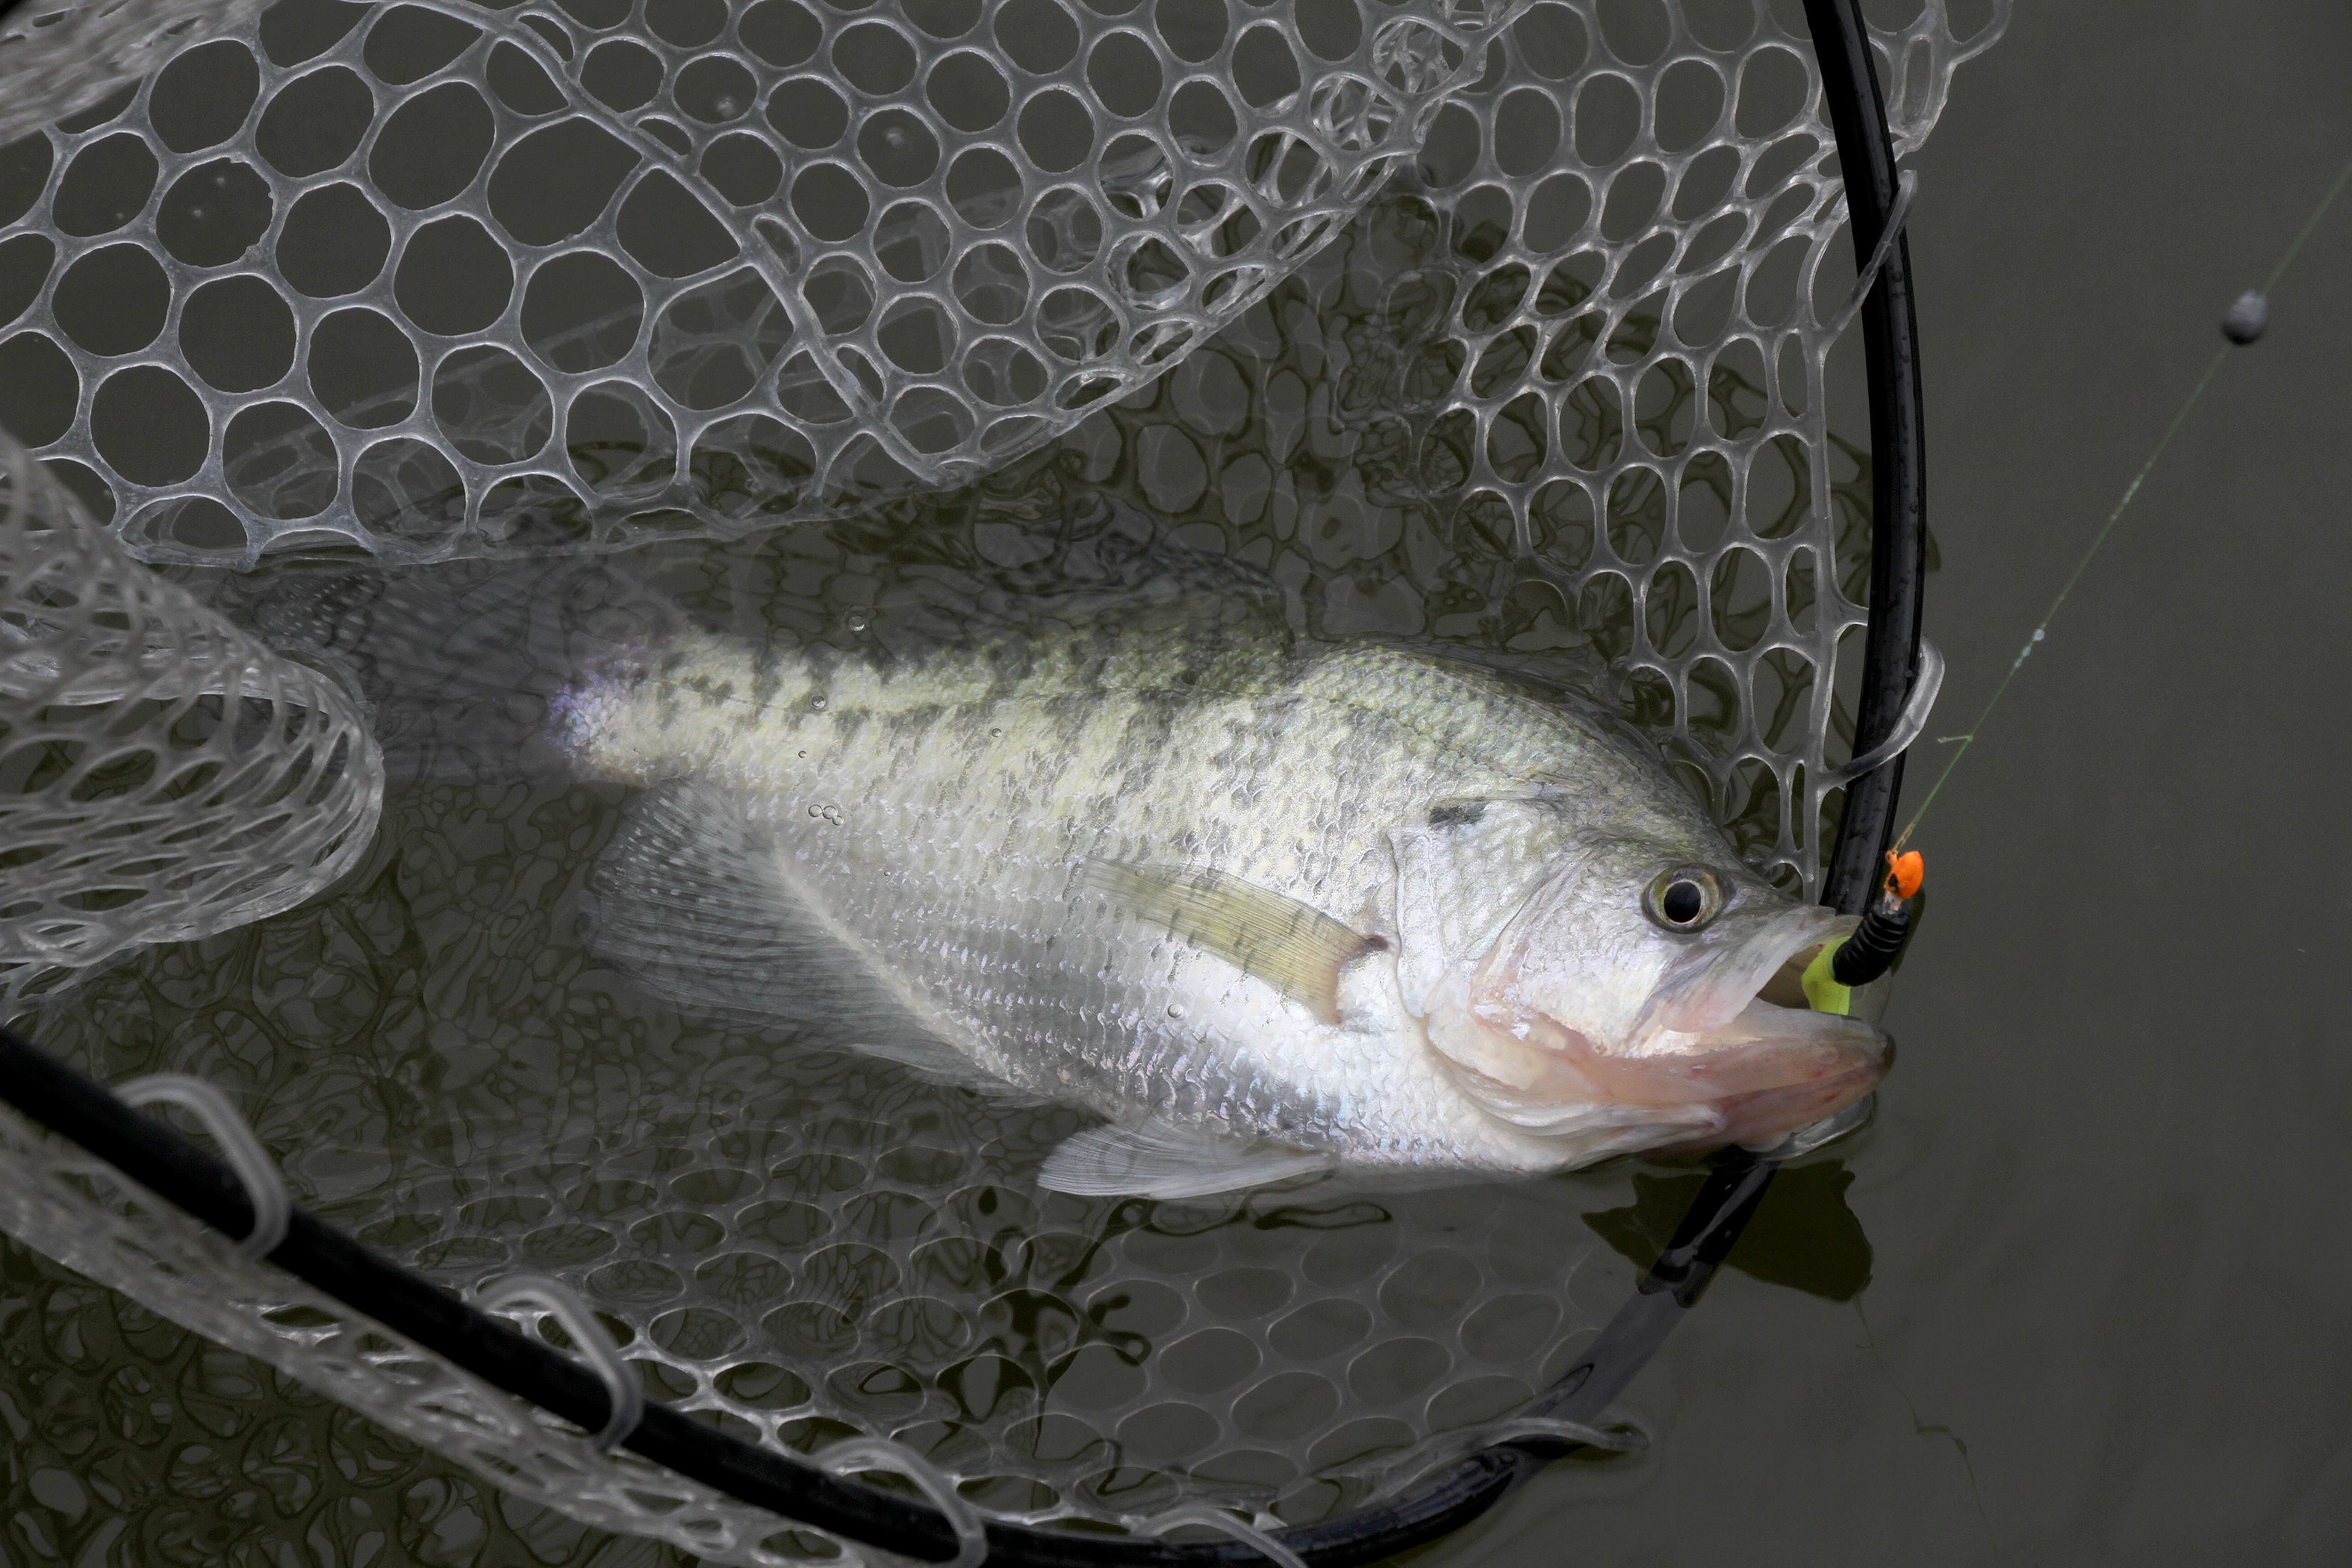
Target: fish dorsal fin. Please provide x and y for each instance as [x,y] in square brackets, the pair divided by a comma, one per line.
[1102,562]
[693,903]
[1294,947]
[1156,1160]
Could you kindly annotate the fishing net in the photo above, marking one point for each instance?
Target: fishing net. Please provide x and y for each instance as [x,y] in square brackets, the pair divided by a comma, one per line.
[163,775]
[806,1245]
[58,59]
[447,281]
[1616,366]
[815,1254]
[1556,396]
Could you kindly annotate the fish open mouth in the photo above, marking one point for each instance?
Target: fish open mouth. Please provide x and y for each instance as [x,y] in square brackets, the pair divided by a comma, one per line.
[1724,1049]
[1731,1025]
[1733,965]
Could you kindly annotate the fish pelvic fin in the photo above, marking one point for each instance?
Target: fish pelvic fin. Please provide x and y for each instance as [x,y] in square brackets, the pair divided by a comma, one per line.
[1292,946]
[1157,1160]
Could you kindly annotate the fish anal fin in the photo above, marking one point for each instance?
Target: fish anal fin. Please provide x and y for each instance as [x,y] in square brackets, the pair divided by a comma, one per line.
[692,901]
[1156,1160]
[1294,947]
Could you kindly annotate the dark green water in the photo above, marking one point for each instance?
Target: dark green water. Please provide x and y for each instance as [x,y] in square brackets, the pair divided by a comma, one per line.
[2102,1308]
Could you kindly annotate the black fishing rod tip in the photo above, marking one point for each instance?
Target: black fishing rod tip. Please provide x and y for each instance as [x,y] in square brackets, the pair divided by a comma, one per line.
[2247,320]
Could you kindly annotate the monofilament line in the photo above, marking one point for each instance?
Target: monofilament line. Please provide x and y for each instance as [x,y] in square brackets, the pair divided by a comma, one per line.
[2115,515]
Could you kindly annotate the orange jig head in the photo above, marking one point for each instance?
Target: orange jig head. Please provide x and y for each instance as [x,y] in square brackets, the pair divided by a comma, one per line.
[1905,874]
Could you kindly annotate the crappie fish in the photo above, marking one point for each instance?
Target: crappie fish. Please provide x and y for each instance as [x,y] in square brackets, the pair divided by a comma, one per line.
[1267,910]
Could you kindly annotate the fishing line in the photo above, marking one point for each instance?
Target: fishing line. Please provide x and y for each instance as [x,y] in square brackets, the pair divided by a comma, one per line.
[2114,517]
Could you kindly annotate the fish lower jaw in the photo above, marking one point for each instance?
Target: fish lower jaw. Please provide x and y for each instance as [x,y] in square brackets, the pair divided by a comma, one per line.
[1757,1119]
[1762,1075]
[1769,1117]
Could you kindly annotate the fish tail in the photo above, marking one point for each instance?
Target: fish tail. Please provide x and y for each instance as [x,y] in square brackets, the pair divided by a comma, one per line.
[473,671]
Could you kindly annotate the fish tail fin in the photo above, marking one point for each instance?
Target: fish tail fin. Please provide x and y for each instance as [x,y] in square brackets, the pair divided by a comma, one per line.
[464,666]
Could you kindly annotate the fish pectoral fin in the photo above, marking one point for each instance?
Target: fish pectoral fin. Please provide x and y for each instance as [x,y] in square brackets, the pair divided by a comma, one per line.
[1157,1160]
[1294,947]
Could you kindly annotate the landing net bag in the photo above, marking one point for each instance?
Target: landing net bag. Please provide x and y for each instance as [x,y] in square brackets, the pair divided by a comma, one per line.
[163,775]
[453,280]
[1529,356]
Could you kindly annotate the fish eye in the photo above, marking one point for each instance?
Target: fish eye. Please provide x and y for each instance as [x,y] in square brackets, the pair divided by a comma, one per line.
[1685,899]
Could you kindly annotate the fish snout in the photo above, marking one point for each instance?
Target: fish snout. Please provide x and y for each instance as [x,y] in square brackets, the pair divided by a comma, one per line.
[1725,1048]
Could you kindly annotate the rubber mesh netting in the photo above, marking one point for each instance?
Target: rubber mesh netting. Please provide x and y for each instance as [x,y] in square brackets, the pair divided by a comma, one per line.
[163,775]
[1513,330]
[56,59]
[366,261]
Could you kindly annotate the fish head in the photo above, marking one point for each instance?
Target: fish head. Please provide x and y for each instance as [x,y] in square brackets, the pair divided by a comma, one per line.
[1645,996]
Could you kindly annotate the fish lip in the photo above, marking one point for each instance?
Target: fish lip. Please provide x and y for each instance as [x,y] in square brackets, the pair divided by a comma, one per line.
[1715,983]
[1774,1069]
[1765,1118]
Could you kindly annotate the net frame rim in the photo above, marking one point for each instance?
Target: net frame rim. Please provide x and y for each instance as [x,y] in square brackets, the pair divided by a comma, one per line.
[155,1154]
